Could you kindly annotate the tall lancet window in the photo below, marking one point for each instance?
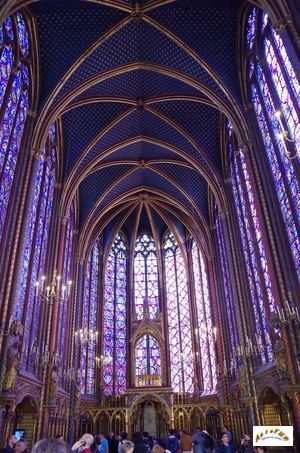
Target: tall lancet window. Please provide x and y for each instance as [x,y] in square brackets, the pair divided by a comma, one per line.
[89,320]
[145,277]
[275,94]
[14,104]
[114,319]
[179,317]
[147,361]
[66,285]
[204,331]
[37,229]
[254,245]
[228,291]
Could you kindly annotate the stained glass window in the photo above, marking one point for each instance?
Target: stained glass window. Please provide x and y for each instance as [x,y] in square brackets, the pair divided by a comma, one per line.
[253,247]
[179,317]
[227,287]
[114,319]
[14,105]
[251,26]
[22,35]
[204,332]
[147,360]
[145,277]
[28,302]
[275,94]
[89,320]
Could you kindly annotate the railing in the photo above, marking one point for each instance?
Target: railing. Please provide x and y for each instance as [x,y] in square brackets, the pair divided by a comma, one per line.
[148,380]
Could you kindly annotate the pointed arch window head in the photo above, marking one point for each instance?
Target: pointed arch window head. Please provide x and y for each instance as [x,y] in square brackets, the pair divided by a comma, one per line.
[145,277]
[251,27]
[274,90]
[114,319]
[147,361]
[14,105]
[38,223]
[254,245]
[179,317]
[23,35]
[89,319]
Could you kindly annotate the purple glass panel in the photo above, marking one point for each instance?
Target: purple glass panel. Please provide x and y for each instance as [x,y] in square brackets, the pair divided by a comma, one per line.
[10,160]
[145,277]
[288,107]
[281,189]
[251,27]
[23,35]
[147,357]
[8,27]
[9,116]
[6,62]
[179,321]
[204,333]
[114,322]
[89,320]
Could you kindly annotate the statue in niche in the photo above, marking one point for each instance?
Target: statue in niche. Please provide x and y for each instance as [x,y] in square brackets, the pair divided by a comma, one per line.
[278,349]
[14,356]
[53,385]
[77,387]
[243,381]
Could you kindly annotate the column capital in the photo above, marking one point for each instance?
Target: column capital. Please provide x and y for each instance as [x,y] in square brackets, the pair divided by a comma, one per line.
[223,214]
[63,219]
[243,147]
[36,153]
[282,24]
[80,260]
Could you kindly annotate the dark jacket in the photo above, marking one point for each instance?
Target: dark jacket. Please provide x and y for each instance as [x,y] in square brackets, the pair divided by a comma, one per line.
[141,447]
[203,442]
[112,444]
[7,450]
[223,449]
[245,448]
[173,444]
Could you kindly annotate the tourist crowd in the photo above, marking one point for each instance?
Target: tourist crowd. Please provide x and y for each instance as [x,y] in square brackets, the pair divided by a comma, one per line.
[176,442]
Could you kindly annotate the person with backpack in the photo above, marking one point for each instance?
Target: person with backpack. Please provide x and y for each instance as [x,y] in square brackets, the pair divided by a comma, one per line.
[173,444]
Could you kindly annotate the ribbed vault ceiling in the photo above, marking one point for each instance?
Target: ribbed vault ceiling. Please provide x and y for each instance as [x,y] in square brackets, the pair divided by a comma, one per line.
[139,88]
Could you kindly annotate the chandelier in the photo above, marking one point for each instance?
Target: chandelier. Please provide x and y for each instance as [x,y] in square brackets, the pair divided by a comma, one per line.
[103,360]
[86,337]
[53,290]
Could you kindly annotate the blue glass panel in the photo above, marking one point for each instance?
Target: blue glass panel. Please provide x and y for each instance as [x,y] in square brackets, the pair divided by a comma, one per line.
[23,35]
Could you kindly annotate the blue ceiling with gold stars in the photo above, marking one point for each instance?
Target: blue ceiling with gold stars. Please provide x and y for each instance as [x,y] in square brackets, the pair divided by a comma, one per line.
[140,87]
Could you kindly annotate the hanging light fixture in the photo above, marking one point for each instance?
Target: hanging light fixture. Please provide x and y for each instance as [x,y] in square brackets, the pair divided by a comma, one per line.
[53,290]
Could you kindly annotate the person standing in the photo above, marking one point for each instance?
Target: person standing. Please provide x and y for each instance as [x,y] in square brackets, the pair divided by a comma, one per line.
[103,443]
[139,444]
[124,437]
[10,445]
[173,444]
[202,442]
[226,430]
[185,441]
[113,443]
[245,446]
[84,444]
[224,446]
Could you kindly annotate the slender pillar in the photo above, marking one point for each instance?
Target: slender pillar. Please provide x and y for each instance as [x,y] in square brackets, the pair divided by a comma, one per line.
[78,297]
